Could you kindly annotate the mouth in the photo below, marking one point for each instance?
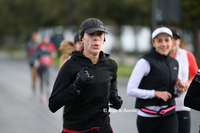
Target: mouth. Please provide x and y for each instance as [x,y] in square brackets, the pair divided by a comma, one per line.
[163,49]
[95,46]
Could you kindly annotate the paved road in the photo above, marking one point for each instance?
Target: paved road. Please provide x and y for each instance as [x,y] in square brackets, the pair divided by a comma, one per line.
[22,112]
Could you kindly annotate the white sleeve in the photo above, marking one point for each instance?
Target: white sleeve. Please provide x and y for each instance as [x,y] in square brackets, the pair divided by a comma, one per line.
[141,69]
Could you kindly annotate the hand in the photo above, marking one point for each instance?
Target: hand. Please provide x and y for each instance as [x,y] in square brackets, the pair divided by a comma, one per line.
[82,77]
[181,86]
[164,95]
[116,101]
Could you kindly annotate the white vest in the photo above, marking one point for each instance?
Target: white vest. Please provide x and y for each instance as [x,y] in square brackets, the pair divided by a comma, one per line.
[183,74]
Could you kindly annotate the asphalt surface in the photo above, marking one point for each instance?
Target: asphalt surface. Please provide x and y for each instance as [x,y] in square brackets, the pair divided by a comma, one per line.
[22,112]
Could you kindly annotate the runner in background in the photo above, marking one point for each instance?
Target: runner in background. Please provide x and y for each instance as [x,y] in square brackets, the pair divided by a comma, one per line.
[30,48]
[153,82]
[44,56]
[187,68]
[77,43]
[66,48]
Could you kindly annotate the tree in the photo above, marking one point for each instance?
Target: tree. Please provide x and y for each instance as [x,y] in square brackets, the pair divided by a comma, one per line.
[190,17]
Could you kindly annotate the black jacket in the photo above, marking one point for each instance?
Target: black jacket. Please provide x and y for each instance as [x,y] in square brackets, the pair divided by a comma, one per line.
[162,77]
[192,98]
[89,108]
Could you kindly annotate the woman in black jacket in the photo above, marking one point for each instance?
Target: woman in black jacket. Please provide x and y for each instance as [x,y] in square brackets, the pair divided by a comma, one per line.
[192,98]
[86,83]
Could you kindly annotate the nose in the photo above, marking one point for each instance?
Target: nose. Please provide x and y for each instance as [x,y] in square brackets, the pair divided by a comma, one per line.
[96,37]
[164,43]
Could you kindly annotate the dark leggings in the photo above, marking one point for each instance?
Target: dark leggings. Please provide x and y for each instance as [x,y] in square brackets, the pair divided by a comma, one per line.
[168,124]
[44,80]
[184,121]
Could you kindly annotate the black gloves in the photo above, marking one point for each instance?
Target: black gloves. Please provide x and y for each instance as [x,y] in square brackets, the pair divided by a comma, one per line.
[116,101]
[81,78]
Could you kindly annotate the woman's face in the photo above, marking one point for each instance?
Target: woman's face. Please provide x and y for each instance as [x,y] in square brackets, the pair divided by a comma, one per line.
[93,43]
[46,40]
[175,43]
[163,43]
[78,46]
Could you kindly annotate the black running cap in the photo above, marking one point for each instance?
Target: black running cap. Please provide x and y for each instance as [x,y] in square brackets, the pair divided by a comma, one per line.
[176,33]
[92,25]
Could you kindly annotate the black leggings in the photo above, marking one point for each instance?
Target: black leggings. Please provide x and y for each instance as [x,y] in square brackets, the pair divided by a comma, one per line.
[44,80]
[168,124]
[184,121]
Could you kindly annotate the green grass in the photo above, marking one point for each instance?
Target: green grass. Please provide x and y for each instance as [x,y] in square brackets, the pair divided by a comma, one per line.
[57,61]
[124,71]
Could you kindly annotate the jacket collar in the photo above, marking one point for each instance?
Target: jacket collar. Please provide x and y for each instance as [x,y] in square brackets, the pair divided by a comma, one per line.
[159,56]
[78,55]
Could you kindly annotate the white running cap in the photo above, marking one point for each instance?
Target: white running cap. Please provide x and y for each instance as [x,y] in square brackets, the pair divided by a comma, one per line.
[161,30]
